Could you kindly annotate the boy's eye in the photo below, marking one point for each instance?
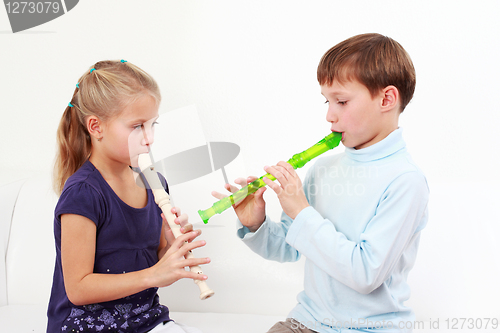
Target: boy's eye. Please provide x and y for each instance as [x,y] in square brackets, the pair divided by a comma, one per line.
[326,102]
[155,123]
[138,126]
[342,102]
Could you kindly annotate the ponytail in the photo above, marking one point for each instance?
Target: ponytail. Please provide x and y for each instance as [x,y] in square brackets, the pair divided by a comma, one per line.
[74,147]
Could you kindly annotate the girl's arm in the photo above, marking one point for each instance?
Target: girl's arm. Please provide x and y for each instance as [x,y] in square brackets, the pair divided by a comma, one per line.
[83,286]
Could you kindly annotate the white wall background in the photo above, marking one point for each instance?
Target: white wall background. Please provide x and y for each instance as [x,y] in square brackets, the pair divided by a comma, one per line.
[249,69]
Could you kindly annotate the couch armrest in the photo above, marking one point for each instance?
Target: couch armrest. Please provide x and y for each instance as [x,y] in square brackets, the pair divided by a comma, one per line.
[8,199]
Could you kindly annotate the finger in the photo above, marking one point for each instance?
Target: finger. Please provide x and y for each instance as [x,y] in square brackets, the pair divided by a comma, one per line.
[184,238]
[241,181]
[180,251]
[251,179]
[218,195]
[195,276]
[187,228]
[275,187]
[273,171]
[169,236]
[176,211]
[280,173]
[188,247]
[259,195]
[231,188]
[187,274]
[195,262]
[288,167]
[182,220]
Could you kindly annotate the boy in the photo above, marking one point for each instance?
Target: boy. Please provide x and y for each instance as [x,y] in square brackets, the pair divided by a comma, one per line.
[357,218]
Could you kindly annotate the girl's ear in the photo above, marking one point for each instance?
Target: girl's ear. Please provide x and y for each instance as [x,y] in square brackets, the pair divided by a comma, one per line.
[95,127]
[390,99]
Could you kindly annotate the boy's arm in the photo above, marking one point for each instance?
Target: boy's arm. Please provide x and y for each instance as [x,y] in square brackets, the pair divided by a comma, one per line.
[366,264]
[269,241]
[263,236]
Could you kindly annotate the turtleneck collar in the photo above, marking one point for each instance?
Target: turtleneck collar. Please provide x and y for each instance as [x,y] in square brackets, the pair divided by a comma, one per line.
[391,144]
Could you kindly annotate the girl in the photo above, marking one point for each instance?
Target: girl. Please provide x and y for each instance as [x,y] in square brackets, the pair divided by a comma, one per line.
[113,251]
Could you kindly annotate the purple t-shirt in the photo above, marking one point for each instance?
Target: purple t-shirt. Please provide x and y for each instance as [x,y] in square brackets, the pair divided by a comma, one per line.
[127,240]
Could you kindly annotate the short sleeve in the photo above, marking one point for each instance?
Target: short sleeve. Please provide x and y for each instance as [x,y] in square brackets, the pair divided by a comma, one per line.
[81,199]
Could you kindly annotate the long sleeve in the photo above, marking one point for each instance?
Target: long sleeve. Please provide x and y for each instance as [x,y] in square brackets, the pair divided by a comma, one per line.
[269,241]
[360,236]
[365,264]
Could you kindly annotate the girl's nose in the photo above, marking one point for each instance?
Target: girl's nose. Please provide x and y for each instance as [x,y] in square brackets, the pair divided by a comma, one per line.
[148,136]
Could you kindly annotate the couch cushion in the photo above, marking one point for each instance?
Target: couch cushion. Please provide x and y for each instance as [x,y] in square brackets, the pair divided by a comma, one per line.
[14,319]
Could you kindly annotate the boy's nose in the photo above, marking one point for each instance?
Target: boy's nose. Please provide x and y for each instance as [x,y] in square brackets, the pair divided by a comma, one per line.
[331,116]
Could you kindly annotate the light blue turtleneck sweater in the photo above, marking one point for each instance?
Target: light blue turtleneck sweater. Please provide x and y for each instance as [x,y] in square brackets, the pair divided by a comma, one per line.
[359,236]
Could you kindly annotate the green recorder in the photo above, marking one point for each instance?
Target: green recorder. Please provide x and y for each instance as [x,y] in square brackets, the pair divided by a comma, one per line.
[297,161]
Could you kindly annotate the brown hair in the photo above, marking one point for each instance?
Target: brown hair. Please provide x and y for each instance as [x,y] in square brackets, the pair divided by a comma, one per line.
[103,91]
[374,60]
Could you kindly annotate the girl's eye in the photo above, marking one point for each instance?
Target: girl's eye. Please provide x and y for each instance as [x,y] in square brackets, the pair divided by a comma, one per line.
[342,102]
[141,125]
[326,102]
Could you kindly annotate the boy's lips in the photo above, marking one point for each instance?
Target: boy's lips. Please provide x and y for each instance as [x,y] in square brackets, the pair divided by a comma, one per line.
[342,139]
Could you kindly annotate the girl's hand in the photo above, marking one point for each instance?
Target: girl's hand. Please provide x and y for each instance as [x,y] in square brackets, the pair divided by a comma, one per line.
[171,266]
[251,211]
[289,190]
[181,220]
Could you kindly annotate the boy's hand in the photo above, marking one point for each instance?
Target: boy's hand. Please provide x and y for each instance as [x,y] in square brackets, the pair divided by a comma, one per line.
[290,194]
[251,211]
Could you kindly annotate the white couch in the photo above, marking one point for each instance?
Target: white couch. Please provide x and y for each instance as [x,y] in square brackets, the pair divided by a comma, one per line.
[455,276]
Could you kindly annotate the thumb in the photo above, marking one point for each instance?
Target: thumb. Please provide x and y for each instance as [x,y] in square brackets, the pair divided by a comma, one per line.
[259,195]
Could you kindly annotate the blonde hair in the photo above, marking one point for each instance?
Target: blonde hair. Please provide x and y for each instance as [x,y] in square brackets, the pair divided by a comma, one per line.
[374,60]
[103,91]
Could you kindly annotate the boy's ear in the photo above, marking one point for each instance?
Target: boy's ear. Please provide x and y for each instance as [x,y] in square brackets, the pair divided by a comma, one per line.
[390,98]
[94,126]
